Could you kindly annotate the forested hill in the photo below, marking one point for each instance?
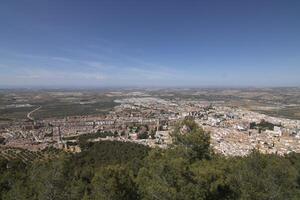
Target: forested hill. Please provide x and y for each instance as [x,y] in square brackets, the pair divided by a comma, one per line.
[117,170]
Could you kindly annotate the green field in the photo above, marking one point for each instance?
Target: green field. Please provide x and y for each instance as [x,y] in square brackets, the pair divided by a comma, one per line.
[53,104]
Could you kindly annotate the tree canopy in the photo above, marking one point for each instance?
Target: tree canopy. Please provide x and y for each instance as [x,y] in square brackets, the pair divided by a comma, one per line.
[188,169]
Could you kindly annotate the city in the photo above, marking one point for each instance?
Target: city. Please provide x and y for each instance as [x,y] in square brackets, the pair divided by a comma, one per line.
[149,100]
[141,118]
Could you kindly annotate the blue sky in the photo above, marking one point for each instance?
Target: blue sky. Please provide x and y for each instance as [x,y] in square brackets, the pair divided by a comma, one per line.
[98,43]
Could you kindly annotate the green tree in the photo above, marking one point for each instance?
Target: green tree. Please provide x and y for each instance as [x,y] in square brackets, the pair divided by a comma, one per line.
[194,140]
[210,177]
[264,177]
[114,183]
[51,179]
[166,173]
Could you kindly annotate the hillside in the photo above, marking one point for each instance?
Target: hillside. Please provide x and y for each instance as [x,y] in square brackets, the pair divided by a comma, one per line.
[118,170]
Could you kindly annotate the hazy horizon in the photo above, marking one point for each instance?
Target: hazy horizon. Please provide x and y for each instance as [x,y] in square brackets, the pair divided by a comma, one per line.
[105,44]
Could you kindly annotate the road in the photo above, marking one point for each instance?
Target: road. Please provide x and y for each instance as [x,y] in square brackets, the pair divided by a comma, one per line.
[29,114]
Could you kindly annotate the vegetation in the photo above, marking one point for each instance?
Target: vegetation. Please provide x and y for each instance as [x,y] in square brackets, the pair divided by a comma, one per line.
[26,156]
[58,104]
[186,170]
[262,126]
[84,139]
[61,110]
[143,135]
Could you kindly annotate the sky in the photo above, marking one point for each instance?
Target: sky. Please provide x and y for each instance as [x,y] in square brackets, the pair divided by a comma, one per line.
[143,43]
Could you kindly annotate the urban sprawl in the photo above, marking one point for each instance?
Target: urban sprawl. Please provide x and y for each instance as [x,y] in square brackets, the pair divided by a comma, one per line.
[234,131]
